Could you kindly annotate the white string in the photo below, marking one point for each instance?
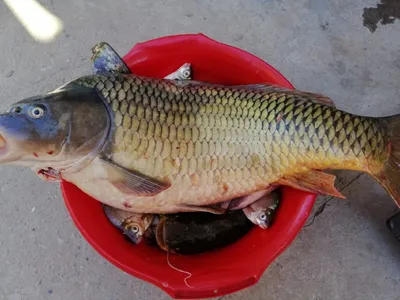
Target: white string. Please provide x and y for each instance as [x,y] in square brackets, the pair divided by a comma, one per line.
[179,270]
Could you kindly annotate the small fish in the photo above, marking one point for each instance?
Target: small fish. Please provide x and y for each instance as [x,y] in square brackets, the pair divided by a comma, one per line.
[133,225]
[263,211]
[183,73]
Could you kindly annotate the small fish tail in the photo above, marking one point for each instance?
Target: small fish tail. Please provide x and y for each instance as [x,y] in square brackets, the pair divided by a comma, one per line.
[389,177]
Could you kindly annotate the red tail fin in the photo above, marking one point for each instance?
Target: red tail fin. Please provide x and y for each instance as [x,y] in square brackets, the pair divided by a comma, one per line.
[389,177]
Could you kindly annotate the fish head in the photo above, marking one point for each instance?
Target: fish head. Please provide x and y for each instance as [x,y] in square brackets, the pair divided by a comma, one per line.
[136,225]
[260,217]
[263,211]
[264,218]
[53,130]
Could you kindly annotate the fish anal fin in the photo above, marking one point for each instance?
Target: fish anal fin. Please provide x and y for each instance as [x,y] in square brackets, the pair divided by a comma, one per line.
[214,209]
[313,181]
[245,201]
[132,182]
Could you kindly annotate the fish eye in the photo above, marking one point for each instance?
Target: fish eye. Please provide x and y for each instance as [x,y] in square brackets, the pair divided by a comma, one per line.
[15,109]
[263,217]
[135,229]
[36,112]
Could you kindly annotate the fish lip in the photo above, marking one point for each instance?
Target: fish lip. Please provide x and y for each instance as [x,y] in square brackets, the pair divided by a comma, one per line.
[2,141]
[138,240]
[3,146]
[264,225]
[135,238]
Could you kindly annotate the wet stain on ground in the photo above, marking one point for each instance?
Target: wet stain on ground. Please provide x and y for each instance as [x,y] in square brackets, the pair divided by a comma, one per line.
[386,12]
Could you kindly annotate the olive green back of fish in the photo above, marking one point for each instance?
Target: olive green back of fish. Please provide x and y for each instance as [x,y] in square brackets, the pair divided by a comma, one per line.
[233,140]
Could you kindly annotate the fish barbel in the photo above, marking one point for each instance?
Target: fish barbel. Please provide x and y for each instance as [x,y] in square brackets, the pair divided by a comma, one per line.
[166,146]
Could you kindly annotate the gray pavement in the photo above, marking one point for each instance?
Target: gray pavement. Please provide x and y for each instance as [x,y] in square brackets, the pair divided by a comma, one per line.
[319,45]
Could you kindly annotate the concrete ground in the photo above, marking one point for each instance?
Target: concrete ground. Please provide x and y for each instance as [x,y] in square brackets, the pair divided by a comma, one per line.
[346,253]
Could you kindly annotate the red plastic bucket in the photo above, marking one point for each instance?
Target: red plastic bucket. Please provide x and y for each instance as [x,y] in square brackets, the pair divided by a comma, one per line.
[222,271]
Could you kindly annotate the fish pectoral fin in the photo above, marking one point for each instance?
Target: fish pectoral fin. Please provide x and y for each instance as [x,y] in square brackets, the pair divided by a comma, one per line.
[214,209]
[313,181]
[132,182]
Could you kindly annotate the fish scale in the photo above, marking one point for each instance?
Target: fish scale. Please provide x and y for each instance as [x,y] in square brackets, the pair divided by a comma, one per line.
[227,142]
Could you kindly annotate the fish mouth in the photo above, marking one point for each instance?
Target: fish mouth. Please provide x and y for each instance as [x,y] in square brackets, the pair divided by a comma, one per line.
[264,225]
[134,237]
[8,152]
[3,146]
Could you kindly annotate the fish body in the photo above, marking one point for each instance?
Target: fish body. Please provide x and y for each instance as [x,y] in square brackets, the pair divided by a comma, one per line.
[179,146]
[213,143]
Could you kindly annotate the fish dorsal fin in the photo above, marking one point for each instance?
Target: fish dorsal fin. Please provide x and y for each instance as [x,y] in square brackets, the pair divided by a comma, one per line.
[106,60]
[266,87]
[313,181]
[132,182]
[314,97]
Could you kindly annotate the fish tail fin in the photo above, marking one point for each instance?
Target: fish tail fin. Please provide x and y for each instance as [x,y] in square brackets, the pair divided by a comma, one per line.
[389,177]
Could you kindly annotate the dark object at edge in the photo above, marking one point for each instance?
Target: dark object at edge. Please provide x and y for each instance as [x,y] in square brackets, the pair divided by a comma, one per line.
[193,233]
[394,225]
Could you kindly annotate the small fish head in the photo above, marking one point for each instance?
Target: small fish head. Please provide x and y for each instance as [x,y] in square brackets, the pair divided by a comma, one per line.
[136,225]
[262,212]
[53,130]
[264,218]
[134,232]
